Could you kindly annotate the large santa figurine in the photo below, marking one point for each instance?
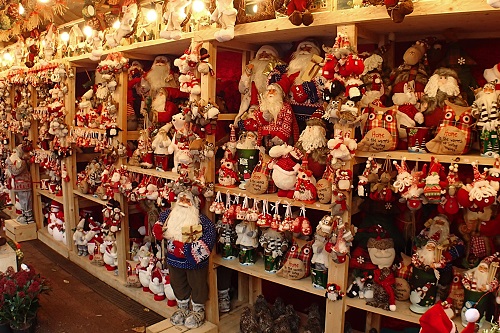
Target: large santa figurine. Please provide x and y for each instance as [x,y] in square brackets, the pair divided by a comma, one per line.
[19,175]
[443,86]
[190,237]
[304,95]
[161,75]
[275,118]
[285,169]
[253,81]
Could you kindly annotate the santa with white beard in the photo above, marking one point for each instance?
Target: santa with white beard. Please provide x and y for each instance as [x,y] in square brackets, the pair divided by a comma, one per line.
[161,75]
[476,279]
[190,238]
[253,81]
[304,95]
[442,86]
[163,108]
[439,230]
[275,117]
[426,256]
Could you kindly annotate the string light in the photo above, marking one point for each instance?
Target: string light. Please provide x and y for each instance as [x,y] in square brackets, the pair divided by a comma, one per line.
[151,15]
[116,25]
[87,31]
[7,56]
[21,9]
[198,6]
[43,1]
[254,8]
[65,37]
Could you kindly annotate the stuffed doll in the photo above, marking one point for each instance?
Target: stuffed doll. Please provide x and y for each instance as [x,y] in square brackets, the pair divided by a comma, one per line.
[485,109]
[79,238]
[109,252]
[160,144]
[144,269]
[275,246]
[248,241]
[298,13]
[128,23]
[305,188]
[174,18]
[285,170]
[228,176]
[224,15]
[382,254]
[297,263]
[398,9]
[190,237]
[479,194]
[313,142]
[19,176]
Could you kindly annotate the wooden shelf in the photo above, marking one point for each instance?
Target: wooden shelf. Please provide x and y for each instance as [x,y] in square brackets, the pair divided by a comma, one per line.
[153,172]
[90,197]
[271,198]
[258,271]
[230,322]
[46,193]
[426,157]
[47,239]
[402,312]
[132,135]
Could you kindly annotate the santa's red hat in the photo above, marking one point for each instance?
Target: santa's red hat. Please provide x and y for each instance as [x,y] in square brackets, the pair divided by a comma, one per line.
[284,84]
[435,320]
[400,87]
[286,163]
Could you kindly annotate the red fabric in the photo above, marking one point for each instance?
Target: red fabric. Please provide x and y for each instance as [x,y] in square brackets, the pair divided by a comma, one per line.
[293,5]
[174,93]
[254,95]
[178,249]
[286,163]
[478,247]
[386,283]
[432,119]
[281,127]
[408,109]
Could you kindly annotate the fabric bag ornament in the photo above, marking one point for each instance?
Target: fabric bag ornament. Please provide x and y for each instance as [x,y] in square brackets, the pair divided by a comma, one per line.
[434,182]
[242,210]
[380,132]
[383,190]
[276,220]
[213,207]
[301,224]
[366,178]
[264,219]
[286,224]
[253,213]
[454,136]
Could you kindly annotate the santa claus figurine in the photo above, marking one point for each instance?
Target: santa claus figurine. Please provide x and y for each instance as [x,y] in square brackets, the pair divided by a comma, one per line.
[253,81]
[275,117]
[18,173]
[161,75]
[227,173]
[313,141]
[190,237]
[305,189]
[304,94]
[285,169]
[442,86]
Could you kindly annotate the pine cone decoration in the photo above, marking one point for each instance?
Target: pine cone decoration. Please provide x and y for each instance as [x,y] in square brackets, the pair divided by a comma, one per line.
[13,12]
[4,22]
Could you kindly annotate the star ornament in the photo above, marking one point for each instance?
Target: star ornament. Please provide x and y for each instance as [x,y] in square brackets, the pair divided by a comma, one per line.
[461,61]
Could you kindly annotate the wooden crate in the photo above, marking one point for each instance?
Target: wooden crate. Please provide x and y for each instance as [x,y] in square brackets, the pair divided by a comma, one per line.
[20,232]
[7,258]
[167,327]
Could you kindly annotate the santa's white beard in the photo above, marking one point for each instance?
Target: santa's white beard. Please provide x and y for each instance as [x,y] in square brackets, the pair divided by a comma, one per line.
[450,88]
[299,63]
[481,279]
[313,137]
[157,77]
[179,217]
[272,104]
[260,80]
[158,103]
[404,98]
[102,92]
[426,256]
[444,232]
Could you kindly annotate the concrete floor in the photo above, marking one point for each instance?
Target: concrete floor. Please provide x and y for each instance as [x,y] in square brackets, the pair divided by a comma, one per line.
[80,302]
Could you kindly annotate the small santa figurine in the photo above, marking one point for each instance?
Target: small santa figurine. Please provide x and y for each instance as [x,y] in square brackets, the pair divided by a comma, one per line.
[227,173]
[275,117]
[305,188]
[442,86]
[483,277]
[285,169]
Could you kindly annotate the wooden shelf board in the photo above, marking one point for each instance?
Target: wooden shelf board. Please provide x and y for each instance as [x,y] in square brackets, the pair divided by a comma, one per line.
[227,116]
[230,322]
[258,271]
[47,239]
[11,211]
[114,281]
[46,193]
[90,197]
[271,198]
[426,157]
[153,172]
[132,135]
[402,312]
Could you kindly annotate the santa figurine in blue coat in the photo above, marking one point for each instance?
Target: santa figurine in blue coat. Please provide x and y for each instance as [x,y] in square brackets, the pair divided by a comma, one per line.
[189,238]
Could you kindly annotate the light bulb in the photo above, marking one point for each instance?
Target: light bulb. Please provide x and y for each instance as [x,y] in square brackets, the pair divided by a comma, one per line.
[151,15]
[87,31]
[65,36]
[198,6]
[7,56]
[116,25]
[43,1]
[21,9]
[254,8]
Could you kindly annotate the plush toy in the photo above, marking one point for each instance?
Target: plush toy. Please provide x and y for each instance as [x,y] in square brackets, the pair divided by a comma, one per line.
[109,252]
[224,15]
[144,272]
[128,23]
[227,173]
[479,194]
[156,285]
[398,9]
[380,129]
[298,13]
[297,263]
[485,109]
[305,189]
[79,238]
[175,18]
[434,181]
[285,170]
[160,144]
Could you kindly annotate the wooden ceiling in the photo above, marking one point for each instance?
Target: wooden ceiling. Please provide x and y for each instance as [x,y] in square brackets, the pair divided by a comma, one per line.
[74,12]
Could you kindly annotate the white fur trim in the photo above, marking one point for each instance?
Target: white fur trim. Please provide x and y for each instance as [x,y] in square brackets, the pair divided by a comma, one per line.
[492,74]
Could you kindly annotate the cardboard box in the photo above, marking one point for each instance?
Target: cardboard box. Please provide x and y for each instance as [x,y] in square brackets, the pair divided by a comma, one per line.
[20,232]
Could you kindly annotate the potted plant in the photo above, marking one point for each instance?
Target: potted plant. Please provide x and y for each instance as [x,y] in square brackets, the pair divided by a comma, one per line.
[19,298]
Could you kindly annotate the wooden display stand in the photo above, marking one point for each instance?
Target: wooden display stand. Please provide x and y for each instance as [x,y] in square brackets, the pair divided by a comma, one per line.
[368,24]
[8,258]
[20,232]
